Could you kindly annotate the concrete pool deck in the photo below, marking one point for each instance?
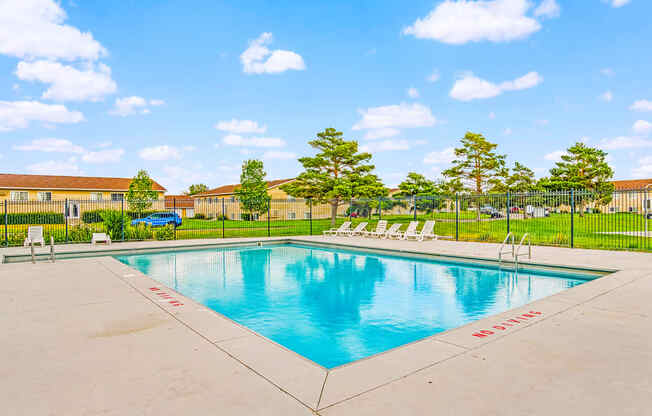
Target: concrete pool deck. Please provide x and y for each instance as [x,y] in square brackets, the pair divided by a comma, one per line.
[92,335]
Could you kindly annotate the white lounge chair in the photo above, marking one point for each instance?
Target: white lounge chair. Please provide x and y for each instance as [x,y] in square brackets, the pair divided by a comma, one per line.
[358,230]
[381,227]
[101,238]
[394,232]
[411,230]
[34,236]
[426,232]
[333,231]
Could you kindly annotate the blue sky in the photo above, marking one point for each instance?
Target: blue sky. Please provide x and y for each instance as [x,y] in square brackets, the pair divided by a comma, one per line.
[189,92]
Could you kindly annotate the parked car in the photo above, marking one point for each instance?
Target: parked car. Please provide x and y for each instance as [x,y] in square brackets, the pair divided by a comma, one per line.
[496,214]
[487,209]
[514,210]
[159,219]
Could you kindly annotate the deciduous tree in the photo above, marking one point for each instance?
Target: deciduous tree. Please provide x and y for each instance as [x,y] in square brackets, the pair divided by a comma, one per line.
[336,173]
[140,194]
[252,192]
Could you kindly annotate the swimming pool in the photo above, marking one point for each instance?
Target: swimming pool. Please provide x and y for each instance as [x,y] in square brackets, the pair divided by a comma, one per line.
[333,305]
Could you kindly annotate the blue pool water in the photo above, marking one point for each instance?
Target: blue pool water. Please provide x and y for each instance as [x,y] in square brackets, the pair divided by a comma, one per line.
[335,306]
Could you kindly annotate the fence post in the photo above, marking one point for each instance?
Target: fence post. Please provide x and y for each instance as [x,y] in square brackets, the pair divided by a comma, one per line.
[122,217]
[174,209]
[380,208]
[223,217]
[310,213]
[508,209]
[6,232]
[65,211]
[414,205]
[572,230]
[350,208]
[269,212]
[457,217]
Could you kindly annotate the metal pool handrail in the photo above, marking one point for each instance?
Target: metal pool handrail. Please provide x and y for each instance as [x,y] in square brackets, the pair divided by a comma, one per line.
[518,249]
[501,251]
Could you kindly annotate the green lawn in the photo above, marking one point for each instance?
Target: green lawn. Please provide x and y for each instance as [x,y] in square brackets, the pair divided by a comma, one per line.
[554,230]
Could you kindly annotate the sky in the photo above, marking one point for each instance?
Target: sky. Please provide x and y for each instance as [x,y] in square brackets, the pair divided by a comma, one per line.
[188,91]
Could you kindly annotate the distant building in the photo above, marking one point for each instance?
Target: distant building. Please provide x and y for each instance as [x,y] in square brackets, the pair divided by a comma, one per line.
[183,205]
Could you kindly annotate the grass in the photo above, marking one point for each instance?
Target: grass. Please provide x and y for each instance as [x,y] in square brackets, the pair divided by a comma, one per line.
[554,230]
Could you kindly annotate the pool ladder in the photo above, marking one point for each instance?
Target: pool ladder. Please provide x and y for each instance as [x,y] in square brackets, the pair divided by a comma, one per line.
[515,251]
[52,255]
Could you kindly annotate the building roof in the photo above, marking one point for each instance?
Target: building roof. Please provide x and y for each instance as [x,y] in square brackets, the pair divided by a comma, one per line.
[632,184]
[179,201]
[68,183]
[229,189]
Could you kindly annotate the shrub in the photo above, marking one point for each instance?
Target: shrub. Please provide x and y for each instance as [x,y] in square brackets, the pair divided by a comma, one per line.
[79,233]
[221,218]
[114,222]
[199,217]
[139,232]
[164,233]
[35,218]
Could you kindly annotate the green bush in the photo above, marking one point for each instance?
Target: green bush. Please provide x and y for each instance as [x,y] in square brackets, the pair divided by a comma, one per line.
[114,222]
[164,233]
[35,218]
[199,217]
[139,232]
[79,234]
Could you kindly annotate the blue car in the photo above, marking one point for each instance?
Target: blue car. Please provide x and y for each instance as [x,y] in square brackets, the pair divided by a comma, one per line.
[160,219]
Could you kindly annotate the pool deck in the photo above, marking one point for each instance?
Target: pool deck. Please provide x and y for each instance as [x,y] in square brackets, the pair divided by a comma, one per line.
[93,336]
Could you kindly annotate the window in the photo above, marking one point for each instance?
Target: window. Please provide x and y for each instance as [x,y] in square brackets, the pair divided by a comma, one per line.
[306,215]
[96,196]
[19,196]
[292,215]
[73,210]
[209,200]
[116,197]
[44,196]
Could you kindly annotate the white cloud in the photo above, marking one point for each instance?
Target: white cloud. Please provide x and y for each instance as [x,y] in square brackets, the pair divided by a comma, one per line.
[470,87]
[385,146]
[402,115]
[555,156]
[178,178]
[35,29]
[492,115]
[413,92]
[542,122]
[617,3]
[18,114]
[163,152]
[547,8]
[240,126]
[642,127]
[104,144]
[274,154]
[624,142]
[50,145]
[104,156]
[607,72]
[641,105]
[607,96]
[507,131]
[53,167]
[253,58]
[382,133]
[459,22]
[68,83]
[644,168]
[132,105]
[434,76]
[236,140]
[445,156]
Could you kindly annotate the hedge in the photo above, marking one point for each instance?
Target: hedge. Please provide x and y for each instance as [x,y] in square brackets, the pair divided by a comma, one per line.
[93,216]
[35,218]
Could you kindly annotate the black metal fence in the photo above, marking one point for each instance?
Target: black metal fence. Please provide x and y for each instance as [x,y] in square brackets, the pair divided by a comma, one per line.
[621,220]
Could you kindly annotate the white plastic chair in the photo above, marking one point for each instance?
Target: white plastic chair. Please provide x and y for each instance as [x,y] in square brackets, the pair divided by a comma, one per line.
[426,232]
[381,227]
[394,232]
[34,236]
[101,238]
[346,225]
[411,230]
[358,230]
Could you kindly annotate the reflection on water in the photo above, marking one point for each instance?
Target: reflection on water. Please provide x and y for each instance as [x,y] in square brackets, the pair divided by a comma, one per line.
[335,306]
